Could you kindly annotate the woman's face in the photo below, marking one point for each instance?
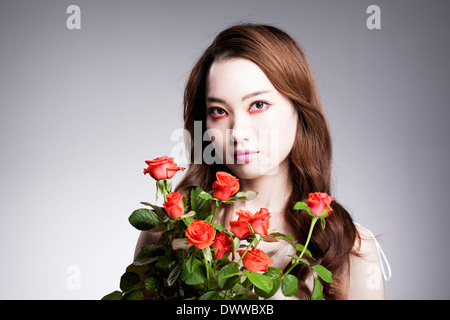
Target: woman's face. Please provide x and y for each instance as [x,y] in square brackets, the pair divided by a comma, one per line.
[251,124]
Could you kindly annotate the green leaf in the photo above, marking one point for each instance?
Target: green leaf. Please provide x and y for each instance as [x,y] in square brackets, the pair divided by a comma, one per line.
[301,206]
[143,219]
[323,273]
[193,273]
[290,285]
[323,223]
[174,275]
[201,206]
[276,278]
[189,263]
[218,226]
[188,214]
[261,281]
[148,254]
[134,295]
[275,270]
[158,210]
[245,195]
[204,195]
[282,236]
[210,295]
[240,289]
[164,265]
[300,248]
[304,261]
[116,295]
[187,221]
[226,282]
[185,204]
[128,281]
[317,292]
[228,201]
[137,269]
[153,285]
[248,296]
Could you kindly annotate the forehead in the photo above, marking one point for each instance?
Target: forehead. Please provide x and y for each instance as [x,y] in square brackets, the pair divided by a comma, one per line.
[235,77]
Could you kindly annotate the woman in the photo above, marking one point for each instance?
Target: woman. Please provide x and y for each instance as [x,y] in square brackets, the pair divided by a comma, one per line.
[254,93]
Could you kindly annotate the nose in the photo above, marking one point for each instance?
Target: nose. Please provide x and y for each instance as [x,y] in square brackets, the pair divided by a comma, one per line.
[240,130]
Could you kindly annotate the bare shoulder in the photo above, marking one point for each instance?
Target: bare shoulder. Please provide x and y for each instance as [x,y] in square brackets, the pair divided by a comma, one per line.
[146,238]
[365,278]
[365,244]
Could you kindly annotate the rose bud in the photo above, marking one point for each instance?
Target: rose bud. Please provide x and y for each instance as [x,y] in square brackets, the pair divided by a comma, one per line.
[222,243]
[225,186]
[162,168]
[255,260]
[318,202]
[174,205]
[259,221]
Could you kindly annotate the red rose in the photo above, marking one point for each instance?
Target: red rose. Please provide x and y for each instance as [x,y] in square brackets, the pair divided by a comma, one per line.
[162,168]
[200,233]
[174,205]
[240,226]
[319,201]
[225,186]
[255,260]
[259,221]
[222,243]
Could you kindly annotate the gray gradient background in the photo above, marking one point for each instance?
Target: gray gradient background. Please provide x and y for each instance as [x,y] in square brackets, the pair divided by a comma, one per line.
[80,111]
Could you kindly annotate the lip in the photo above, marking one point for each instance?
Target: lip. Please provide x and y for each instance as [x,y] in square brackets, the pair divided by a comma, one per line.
[245,156]
[242,152]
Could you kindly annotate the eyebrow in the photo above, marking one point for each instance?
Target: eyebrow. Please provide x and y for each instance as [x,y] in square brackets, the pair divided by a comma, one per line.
[257,93]
[247,96]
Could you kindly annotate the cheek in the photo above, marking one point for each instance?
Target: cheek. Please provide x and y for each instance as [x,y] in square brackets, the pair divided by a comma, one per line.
[287,139]
[281,135]
[217,136]
[290,129]
[290,133]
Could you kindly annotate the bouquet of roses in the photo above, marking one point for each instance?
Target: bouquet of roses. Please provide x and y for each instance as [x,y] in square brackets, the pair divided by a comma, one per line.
[196,258]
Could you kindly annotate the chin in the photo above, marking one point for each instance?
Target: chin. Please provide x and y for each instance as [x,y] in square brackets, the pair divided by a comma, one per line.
[249,171]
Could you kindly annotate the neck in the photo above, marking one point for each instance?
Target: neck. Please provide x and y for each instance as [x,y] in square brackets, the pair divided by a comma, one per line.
[273,192]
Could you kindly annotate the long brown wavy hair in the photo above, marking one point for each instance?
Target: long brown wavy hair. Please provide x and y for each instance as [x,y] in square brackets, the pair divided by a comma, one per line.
[285,64]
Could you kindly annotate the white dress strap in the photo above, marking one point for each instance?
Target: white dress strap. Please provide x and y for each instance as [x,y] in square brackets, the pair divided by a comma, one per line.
[383,259]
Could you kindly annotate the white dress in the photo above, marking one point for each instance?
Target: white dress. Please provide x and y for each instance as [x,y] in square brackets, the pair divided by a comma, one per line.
[278,252]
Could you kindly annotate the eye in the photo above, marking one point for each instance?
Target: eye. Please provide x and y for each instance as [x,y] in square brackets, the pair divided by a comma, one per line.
[217,112]
[259,106]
